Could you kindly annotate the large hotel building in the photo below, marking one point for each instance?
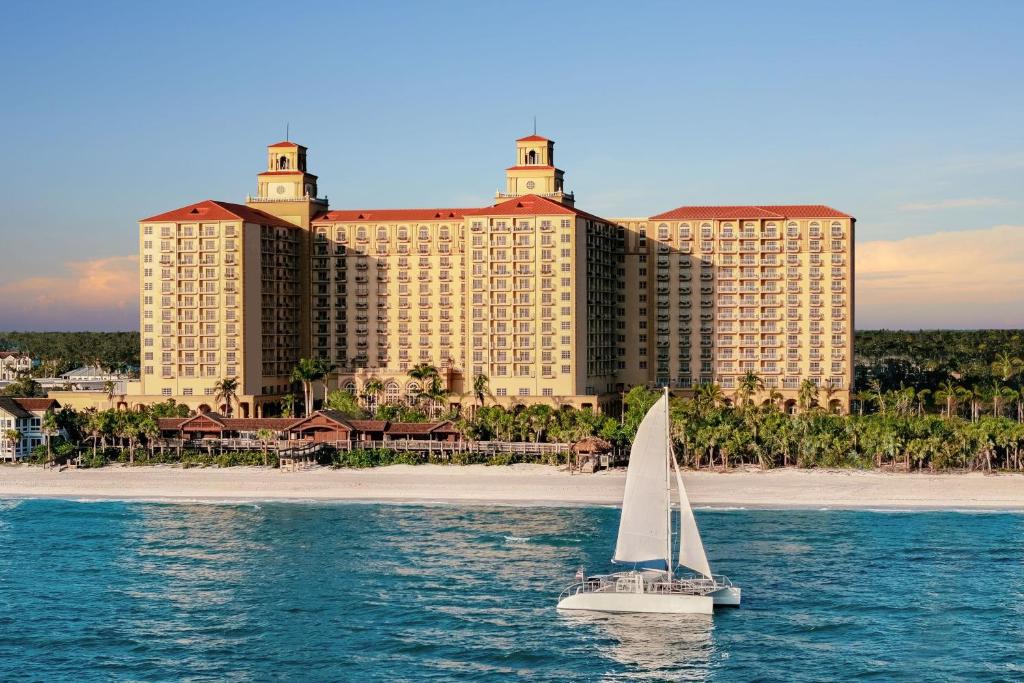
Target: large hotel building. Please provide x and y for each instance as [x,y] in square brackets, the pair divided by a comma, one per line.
[551,303]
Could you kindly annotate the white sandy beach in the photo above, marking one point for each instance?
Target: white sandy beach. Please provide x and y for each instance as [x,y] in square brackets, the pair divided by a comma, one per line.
[518,484]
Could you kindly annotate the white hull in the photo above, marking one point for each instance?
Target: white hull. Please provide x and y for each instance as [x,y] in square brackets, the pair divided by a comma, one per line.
[727,597]
[659,603]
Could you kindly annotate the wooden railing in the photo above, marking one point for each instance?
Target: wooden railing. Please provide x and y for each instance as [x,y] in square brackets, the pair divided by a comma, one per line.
[415,445]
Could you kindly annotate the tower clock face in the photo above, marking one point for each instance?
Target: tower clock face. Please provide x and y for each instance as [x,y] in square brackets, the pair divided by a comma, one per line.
[281,189]
[530,185]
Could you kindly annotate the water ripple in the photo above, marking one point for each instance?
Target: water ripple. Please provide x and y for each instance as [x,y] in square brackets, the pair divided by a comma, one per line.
[236,592]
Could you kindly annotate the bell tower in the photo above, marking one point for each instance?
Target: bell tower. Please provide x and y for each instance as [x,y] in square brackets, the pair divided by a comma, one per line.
[287,189]
[535,172]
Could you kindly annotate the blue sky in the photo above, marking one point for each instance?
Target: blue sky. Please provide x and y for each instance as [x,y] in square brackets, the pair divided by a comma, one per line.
[907,115]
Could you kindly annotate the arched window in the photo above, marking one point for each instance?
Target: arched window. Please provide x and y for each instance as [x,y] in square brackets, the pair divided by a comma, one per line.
[531,156]
[391,392]
[350,387]
[412,391]
[282,163]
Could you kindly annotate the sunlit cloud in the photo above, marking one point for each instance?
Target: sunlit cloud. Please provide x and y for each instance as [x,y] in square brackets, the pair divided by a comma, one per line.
[958,279]
[977,202]
[102,294]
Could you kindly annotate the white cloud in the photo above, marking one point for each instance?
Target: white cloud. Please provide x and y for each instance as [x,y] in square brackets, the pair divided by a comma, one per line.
[956,204]
[958,279]
[102,294]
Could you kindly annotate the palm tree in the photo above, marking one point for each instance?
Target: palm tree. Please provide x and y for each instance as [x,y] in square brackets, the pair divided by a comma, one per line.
[1006,367]
[371,390]
[226,390]
[922,398]
[424,373]
[108,387]
[807,395]
[862,397]
[749,385]
[830,391]
[264,435]
[325,368]
[948,392]
[288,405]
[49,429]
[14,437]
[708,395]
[435,394]
[149,428]
[481,384]
[307,372]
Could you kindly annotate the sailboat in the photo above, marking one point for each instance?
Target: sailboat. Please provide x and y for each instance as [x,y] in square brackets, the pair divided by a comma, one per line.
[645,540]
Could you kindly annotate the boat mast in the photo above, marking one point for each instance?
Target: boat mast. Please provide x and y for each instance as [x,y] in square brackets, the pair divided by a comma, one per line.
[668,487]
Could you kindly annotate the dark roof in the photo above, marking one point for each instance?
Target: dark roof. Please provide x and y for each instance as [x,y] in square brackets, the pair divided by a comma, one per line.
[11,406]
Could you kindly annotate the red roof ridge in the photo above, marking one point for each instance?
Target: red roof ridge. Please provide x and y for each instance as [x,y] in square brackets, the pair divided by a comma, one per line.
[285,143]
[213,210]
[534,138]
[384,215]
[742,211]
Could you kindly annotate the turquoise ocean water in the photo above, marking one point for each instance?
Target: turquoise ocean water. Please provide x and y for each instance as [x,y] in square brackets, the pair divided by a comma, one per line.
[96,591]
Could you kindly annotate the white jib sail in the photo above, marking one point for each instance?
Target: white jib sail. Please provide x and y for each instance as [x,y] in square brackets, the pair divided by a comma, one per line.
[644,525]
[691,548]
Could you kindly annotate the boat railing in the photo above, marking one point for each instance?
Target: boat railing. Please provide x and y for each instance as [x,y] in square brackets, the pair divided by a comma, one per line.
[699,585]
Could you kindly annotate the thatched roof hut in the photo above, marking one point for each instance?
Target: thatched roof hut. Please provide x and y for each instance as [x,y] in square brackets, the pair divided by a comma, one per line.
[592,445]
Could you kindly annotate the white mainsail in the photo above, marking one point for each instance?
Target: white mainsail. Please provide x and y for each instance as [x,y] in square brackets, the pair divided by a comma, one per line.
[691,548]
[644,525]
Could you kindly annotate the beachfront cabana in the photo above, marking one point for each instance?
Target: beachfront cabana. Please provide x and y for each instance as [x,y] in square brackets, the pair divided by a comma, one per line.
[323,426]
[588,452]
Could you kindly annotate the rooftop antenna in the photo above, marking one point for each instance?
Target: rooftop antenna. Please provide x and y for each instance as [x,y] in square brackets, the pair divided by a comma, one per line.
[287,131]
[534,124]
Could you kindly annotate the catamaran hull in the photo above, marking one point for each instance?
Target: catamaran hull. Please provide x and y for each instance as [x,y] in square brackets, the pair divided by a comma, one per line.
[639,602]
[727,597]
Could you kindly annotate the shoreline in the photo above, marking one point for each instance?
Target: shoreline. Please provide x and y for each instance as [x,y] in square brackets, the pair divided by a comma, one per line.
[518,485]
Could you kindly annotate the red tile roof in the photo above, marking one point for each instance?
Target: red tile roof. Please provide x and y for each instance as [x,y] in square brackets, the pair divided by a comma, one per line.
[807,211]
[533,138]
[421,427]
[532,205]
[533,167]
[39,404]
[231,424]
[384,215]
[526,205]
[285,143]
[411,427]
[777,212]
[12,354]
[211,210]
[368,425]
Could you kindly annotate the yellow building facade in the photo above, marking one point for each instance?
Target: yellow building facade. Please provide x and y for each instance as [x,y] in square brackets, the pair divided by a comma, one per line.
[550,303]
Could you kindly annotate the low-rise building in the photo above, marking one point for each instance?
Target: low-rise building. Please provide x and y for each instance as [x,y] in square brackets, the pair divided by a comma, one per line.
[13,365]
[25,416]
